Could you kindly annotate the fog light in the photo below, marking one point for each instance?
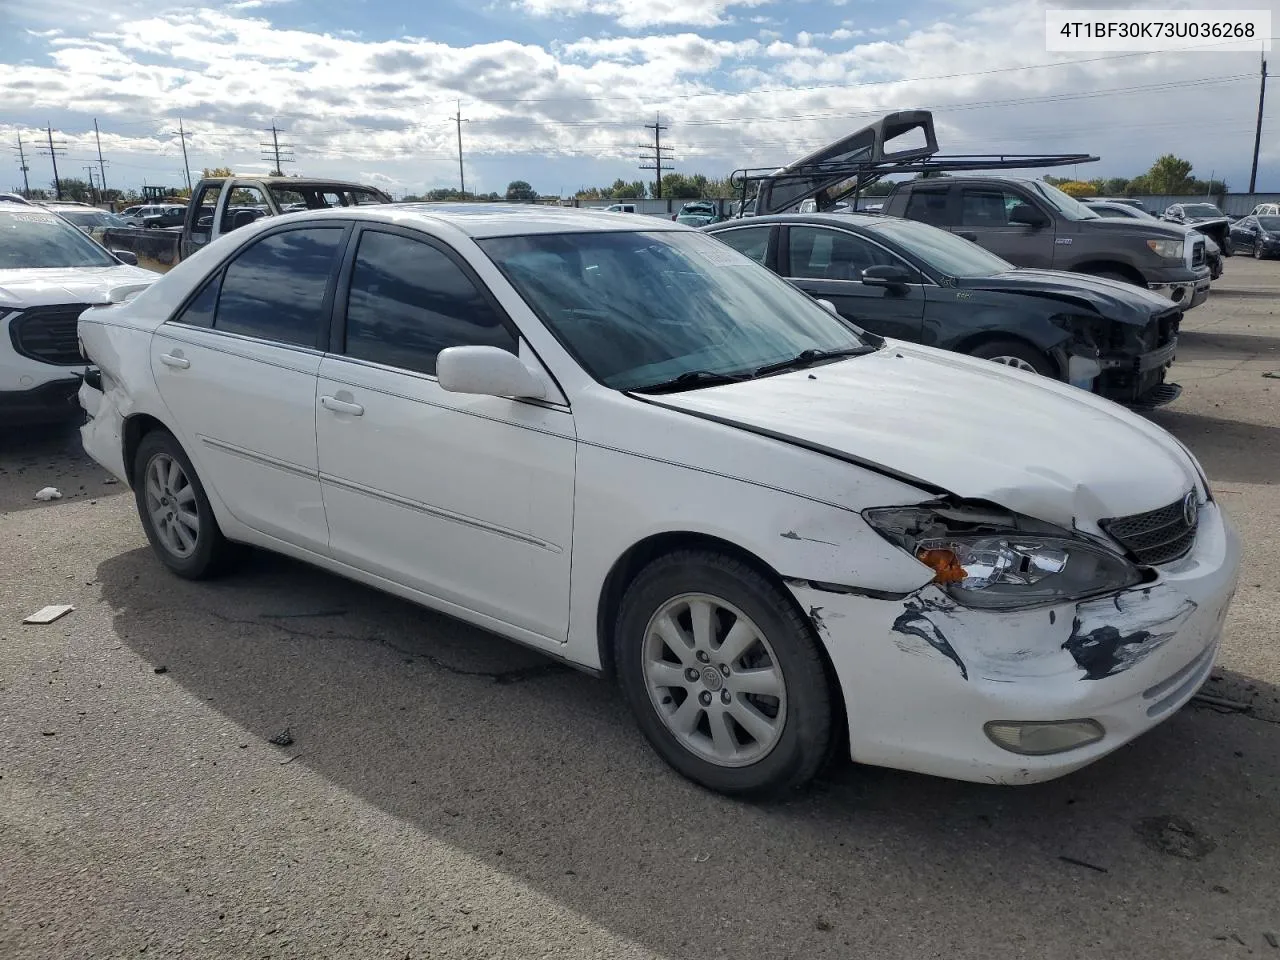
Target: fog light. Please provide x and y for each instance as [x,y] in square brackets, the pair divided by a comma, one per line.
[1178,294]
[1036,739]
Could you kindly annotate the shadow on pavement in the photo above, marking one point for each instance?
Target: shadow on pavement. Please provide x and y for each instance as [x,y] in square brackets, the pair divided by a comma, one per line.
[1202,342]
[1230,450]
[34,457]
[539,772]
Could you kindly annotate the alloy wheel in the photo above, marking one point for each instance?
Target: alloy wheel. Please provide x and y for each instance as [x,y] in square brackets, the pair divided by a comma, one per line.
[714,680]
[171,502]
[1015,362]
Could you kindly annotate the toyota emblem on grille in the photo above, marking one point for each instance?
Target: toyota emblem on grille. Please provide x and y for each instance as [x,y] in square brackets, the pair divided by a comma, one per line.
[1189,511]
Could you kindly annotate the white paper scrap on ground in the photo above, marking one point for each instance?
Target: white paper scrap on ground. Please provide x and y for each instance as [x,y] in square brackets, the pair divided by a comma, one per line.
[48,493]
[50,613]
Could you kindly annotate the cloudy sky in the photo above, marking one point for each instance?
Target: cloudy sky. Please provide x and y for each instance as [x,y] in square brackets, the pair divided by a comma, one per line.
[557,92]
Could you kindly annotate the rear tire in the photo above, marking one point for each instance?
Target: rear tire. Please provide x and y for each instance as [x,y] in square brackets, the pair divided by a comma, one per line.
[175,510]
[724,675]
[1257,251]
[1015,353]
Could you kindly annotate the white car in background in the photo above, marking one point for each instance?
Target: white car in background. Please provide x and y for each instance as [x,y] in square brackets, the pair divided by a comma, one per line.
[766,524]
[49,273]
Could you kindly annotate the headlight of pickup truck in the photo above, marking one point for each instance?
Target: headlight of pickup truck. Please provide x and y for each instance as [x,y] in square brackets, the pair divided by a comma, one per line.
[991,560]
[1169,249]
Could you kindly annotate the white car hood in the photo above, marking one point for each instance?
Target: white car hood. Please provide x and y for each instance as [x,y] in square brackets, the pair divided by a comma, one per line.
[971,427]
[49,285]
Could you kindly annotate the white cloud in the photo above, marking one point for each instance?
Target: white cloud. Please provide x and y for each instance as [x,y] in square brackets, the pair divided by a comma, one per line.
[633,14]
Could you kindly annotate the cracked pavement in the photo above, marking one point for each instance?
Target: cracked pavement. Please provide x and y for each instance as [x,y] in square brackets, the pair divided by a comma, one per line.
[449,794]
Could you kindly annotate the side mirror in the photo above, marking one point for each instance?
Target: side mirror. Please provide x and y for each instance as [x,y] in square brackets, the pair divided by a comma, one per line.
[886,276]
[490,371]
[829,307]
[127,257]
[1026,214]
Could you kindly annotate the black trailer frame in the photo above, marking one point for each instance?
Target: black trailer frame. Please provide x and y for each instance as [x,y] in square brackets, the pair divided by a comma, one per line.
[855,162]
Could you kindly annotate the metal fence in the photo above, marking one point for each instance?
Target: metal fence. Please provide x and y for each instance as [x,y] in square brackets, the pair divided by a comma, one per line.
[1232,204]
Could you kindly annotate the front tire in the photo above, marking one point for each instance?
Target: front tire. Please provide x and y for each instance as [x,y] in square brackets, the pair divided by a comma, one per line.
[1014,353]
[175,511]
[724,675]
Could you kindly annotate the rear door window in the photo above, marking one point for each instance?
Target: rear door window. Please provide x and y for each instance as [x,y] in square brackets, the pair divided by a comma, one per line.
[928,206]
[276,288]
[751,242]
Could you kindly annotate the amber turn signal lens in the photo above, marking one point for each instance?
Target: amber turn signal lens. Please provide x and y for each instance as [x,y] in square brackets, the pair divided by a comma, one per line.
[945,564]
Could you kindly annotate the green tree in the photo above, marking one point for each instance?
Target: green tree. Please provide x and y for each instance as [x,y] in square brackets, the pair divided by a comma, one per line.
[621,190]
[1170,174]
[677,186]
[209,172]
[74,189]
[520,190]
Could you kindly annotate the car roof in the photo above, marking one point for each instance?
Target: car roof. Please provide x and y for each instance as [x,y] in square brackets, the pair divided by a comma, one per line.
[871,220]
[480,220]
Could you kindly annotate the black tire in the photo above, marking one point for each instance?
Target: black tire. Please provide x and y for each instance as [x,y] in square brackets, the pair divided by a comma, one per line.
[211,553]
[1228,247]
[993,349]
[802,746]
[1257,250]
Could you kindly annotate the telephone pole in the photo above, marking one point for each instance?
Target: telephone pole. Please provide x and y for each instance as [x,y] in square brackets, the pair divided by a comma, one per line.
[52,153]
[186,167]
[654,161]
[1257,136]
[280,151]
[102,164]
[22,164]
[93,186]
[459,119]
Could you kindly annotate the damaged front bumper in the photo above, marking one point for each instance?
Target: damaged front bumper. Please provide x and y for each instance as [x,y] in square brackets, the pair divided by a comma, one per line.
[922,676]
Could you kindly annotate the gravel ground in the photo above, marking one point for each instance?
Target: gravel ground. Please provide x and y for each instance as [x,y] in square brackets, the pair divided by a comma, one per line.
[285,764]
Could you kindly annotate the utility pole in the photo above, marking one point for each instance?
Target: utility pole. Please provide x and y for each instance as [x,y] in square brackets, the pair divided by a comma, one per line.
[52,153]
[102,165]
[655,160]
[186,167]
[459,119]
[93,186]
[1257,136]
[22,164]
[275,148]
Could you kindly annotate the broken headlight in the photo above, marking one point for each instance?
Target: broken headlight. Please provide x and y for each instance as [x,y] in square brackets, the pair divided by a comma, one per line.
[987,558]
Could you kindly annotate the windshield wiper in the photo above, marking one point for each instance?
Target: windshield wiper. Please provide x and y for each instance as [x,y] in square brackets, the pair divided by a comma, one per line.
[690,380]
[807,358]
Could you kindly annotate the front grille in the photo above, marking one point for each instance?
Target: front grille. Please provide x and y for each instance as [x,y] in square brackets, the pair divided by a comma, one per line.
[1158,536]
[49,334]
[1197,254]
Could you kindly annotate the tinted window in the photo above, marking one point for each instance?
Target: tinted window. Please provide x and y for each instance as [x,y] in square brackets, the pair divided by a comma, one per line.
[246,205]
[751,242]
[987,206]
[199,312]
[409,301]
[275,289]
[818,254]
[1269,223]
[927,206]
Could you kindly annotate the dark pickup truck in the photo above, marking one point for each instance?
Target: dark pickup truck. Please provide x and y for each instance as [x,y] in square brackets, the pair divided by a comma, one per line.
[1032,224]
[222,204]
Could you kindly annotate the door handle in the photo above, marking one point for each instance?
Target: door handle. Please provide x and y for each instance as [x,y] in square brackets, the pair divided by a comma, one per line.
[969,236]
[342,406]
[171,360]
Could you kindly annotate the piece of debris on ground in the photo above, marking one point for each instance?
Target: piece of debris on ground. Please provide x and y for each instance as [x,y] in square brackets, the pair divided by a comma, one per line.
[48,493]
[284,738]
[50,613]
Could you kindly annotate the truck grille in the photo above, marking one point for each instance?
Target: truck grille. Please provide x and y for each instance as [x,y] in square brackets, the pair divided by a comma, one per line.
[49,334]
[1158,536]
[1197,254]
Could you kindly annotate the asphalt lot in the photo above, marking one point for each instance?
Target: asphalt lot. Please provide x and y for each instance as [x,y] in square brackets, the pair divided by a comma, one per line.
[447,794]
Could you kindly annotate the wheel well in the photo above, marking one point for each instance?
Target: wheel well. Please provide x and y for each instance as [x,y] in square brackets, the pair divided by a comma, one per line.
[135,428]
[1108,266]
[969,344]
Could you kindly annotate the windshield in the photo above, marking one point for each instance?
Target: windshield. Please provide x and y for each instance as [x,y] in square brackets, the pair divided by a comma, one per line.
[46,240]
[1123,210]
[640,309]
[1201,210]
[1068,206]
[945,252]
[1269,223]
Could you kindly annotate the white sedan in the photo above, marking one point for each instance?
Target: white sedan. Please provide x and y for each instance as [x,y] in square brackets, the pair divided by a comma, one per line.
[628,446]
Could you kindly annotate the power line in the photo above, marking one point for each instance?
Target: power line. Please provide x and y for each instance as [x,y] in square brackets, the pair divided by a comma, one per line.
[653,161]
[186,166]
